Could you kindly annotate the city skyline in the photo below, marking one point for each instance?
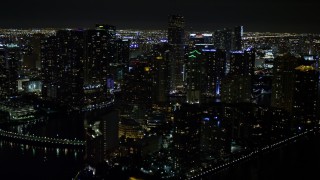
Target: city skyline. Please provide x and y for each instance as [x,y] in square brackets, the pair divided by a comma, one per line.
[152,104]
[270,16]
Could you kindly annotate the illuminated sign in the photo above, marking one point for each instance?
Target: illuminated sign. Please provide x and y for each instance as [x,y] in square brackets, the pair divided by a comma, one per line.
[208,50]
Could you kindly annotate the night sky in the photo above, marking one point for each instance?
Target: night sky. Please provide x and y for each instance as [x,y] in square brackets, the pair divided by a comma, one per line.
[268,15]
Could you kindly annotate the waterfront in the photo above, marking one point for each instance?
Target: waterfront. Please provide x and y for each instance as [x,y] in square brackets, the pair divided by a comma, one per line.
[297,160]
[21,161]
[43,160]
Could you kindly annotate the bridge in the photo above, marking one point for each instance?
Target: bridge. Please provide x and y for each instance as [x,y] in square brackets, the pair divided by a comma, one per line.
[41,140]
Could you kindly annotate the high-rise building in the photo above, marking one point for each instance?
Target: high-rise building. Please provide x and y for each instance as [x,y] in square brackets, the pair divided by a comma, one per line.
[76,68]
[122,51]
[103,137]
[194,76]
[176,38]
[223,39]
[10,64]
[242,62]
[3,77]
[71,55]
[31,58]
[176,29]
[161,84]
[99,54]
[136,93]
[305,101]
[110,29]
[205,67]
[214,67]
[186,137]
[237,38]
[215,133]
[283,81]
[237,86]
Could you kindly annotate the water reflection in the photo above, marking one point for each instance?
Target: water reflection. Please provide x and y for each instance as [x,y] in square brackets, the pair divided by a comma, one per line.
[38,150]
[299,160]
[54,126]
[29,161]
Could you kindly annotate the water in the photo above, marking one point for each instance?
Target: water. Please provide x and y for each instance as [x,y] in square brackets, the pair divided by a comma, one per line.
[27,161]
[299,160]
[21,161]
[55,126]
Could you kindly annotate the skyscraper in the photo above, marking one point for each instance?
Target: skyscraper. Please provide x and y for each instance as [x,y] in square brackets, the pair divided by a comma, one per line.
[3,78]
[237,86]
[238,33]
[99,54]
[10,65]
[110,29]
[215,69]
[186,137]
[283,81]
[305,101]
[223,39]
[177,41]
[71,55]
[160,76]
[51,67]
[176,32]
[194,76]
[102,137]
[215,132]
[76,68]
